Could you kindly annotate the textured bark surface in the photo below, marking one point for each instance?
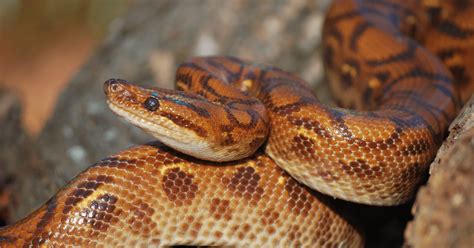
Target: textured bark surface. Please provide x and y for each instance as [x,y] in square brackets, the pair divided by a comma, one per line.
[443,208]
[145,46]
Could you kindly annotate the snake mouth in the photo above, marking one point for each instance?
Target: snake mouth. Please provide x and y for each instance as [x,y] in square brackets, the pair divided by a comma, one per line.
[125,99]
[132,117]
[165,131]
[153,123]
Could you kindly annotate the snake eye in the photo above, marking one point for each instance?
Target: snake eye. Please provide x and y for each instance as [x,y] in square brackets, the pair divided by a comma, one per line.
[151,103]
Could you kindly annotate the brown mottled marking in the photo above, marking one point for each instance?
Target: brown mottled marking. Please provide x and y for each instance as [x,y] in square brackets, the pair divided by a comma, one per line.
[129,214]
[299,202]
[294,233]
[310,125]
[245,184]
[258,140]
[84,190]
[218,234]
[270,217]
[178,120]
[303,144]
[44,221]
[140,221]
[7,240]
[179,186]
[98,214]
[220,208]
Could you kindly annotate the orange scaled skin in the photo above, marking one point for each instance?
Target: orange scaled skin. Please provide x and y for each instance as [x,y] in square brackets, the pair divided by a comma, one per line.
[151,195]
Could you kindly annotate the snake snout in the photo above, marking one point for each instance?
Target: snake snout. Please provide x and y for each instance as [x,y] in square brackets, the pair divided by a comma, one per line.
[114,85]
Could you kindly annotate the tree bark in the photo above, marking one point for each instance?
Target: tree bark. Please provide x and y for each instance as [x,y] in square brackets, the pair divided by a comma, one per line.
[443,208]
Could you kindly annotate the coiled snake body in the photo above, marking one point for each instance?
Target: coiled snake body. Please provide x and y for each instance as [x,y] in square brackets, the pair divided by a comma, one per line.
[152,195]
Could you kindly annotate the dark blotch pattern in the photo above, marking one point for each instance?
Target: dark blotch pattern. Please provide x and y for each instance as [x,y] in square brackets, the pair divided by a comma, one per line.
[270,217]
[220,208]
[179,187]
[100,213]
[299,201]
[140,221]
[155,201]
[244,183]
[180,121]
[453,30]
[40,236]
[85,189]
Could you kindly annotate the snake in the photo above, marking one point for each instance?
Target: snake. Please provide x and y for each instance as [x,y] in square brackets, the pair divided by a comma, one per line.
[247,156]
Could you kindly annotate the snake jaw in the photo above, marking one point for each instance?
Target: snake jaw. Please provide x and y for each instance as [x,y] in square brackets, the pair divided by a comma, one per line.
[183,140]
[139,106]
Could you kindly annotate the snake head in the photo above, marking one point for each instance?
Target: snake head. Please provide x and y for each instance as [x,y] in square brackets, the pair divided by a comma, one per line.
[182,120]
[165,114]
[137,101]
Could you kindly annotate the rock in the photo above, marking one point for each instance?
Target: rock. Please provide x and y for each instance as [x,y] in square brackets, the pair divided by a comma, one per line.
[18,158]
[443,208]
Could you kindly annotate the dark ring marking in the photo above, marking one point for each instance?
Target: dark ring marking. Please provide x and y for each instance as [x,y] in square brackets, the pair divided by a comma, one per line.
[408,54]
[357,33]
[451,29]
[198,110]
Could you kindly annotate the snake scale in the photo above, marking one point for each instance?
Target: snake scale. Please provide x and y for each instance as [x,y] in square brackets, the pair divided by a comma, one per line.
[154,195]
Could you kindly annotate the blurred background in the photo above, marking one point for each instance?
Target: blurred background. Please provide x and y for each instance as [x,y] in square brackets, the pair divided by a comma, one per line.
[43,45]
